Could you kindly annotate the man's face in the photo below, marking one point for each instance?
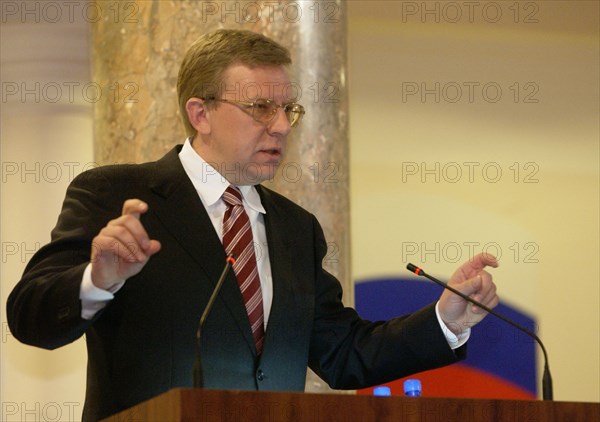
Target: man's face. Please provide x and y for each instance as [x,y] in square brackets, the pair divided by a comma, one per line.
[243,150]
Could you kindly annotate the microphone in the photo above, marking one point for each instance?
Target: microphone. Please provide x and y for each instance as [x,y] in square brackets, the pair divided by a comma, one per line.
[546,378]
[198,374]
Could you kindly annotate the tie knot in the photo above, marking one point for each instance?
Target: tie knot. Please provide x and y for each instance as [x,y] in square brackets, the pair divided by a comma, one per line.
[232,196]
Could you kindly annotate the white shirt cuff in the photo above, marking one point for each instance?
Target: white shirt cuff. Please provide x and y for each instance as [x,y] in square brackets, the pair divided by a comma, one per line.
[453,340]
[93,299]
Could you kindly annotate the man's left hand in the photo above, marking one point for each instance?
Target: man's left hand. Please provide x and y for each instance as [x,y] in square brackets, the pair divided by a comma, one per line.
[471,280]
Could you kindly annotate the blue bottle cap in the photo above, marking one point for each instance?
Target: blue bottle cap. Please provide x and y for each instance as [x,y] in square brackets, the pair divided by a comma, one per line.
[382,391]
[412,387]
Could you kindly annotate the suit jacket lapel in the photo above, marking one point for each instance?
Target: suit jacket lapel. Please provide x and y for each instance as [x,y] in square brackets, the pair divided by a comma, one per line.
[180,210]
[280,254]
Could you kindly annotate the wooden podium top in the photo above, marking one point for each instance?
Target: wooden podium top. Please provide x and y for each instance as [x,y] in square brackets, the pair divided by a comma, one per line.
[241,406]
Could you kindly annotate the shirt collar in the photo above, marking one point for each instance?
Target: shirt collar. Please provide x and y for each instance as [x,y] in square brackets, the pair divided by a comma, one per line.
[209,183]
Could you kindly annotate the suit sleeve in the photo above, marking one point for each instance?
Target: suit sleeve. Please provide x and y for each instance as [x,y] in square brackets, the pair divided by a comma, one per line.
[44,309]
[350,353]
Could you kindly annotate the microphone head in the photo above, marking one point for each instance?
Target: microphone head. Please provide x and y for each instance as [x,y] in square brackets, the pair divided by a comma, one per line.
[414,269]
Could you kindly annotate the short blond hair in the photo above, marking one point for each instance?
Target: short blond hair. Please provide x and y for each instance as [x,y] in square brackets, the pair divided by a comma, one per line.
[202,69]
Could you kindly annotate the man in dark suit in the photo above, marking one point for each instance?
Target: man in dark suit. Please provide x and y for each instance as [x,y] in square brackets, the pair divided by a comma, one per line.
[137,251]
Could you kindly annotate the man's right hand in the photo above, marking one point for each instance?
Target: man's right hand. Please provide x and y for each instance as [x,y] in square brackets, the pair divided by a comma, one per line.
[122,247]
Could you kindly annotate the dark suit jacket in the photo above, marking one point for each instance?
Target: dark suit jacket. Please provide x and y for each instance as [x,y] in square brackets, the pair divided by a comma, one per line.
[143,342]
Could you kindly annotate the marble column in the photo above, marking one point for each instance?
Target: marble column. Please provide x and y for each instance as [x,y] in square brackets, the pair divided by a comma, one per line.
[137,49]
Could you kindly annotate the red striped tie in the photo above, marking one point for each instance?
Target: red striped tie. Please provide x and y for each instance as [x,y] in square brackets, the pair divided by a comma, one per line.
[237,240]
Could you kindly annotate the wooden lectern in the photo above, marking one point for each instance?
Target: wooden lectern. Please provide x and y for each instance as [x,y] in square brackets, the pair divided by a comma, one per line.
[247,406]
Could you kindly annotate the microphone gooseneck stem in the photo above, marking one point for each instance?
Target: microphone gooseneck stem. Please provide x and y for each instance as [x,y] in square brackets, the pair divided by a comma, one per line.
[547,391]
[197,372]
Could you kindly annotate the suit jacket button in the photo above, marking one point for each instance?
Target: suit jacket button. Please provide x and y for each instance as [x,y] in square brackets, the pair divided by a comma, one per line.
[260,375]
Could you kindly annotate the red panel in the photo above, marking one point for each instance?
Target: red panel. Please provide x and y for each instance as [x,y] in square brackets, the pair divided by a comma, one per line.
[461,381]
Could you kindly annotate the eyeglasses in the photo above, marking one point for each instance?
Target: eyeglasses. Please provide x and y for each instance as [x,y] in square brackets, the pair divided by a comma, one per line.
[263,110]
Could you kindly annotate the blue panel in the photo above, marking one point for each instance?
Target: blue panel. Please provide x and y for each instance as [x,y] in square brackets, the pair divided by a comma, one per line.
[495,346]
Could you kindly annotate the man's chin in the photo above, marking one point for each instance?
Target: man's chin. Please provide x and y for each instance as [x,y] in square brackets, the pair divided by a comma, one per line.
[254,173]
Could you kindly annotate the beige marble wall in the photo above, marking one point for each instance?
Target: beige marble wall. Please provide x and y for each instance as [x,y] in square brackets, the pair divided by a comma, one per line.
[137,50]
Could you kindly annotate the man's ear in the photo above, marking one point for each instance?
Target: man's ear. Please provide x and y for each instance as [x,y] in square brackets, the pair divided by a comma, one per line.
[198,115]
